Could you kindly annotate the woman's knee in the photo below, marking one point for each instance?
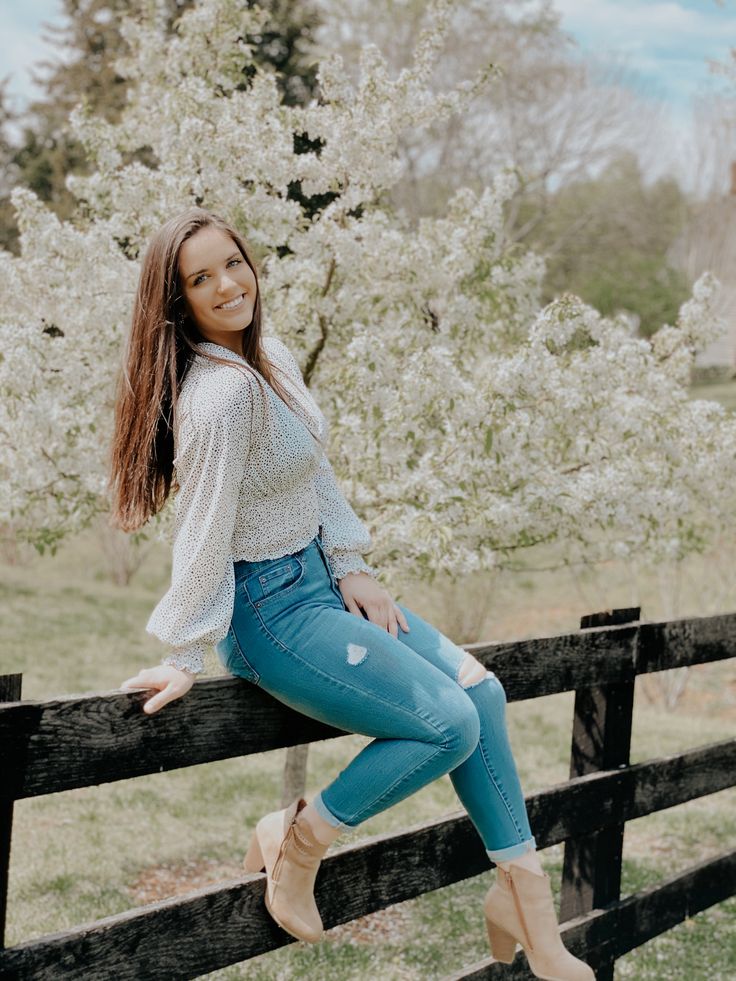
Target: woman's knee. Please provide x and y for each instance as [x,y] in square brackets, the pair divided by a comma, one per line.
[462,730]
[496,690]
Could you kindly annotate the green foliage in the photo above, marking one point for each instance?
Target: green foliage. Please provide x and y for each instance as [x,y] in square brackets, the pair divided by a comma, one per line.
[607,240]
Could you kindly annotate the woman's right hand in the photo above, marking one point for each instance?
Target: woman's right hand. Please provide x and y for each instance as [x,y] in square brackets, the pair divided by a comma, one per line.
[170,681]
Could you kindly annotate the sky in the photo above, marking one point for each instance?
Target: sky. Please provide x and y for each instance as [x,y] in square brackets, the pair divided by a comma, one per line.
[665,47]
[664,44]
[21,44]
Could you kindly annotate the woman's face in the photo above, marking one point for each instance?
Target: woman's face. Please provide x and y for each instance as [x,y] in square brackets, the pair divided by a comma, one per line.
[213,272]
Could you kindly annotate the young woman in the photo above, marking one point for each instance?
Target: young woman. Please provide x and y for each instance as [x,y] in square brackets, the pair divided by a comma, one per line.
[267,566]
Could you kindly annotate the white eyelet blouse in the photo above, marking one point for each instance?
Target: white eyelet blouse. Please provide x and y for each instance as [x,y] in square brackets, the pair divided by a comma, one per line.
[253,484]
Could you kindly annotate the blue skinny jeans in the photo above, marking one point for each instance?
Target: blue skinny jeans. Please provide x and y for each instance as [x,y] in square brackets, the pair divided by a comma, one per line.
[292,635]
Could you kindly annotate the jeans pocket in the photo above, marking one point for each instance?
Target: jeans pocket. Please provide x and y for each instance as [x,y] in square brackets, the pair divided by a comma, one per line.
[233,660]
[275,580]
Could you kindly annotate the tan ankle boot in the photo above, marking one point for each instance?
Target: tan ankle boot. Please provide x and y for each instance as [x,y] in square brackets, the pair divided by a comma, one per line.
[284,847]
[519,906]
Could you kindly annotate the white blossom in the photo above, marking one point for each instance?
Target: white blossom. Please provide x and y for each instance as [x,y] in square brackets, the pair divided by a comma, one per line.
[467,421]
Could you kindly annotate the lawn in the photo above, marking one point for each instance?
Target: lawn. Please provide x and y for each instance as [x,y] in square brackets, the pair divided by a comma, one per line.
[68,629]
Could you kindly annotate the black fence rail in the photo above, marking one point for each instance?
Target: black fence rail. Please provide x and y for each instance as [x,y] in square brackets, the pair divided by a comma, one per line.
[59,744]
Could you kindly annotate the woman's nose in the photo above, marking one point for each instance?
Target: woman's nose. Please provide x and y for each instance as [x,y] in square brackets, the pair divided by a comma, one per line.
[226,283]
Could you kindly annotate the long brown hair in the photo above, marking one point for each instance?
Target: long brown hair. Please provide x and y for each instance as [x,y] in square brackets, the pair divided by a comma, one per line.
[161,346]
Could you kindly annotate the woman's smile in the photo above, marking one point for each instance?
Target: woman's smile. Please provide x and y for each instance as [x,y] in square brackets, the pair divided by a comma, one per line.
[220,288]
[232,304]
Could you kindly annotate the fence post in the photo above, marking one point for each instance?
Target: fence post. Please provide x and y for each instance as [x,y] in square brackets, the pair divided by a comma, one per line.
[10,687]
[601,740]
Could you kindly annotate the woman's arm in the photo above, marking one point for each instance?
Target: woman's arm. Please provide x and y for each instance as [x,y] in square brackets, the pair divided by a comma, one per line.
[197,608]
[344,536]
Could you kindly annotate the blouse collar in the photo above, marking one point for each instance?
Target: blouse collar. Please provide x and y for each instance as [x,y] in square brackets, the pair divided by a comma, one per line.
[225,352]
[221,350]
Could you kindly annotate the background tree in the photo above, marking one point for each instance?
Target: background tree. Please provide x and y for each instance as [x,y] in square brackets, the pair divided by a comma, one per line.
[607,239]
[551,116]
[468,420]
[9,171]
[89,41]
[455,314]
[559,122]
[707,239]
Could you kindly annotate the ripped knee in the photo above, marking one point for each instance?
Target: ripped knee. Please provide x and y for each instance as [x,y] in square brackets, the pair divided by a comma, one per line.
[471,672]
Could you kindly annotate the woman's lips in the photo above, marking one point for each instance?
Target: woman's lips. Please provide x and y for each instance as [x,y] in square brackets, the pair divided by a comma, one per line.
[237,305]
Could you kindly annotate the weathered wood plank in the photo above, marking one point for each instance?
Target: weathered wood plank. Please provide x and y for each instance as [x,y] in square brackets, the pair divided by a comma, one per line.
[629,922]
[677,643]
[226,923]
[548,665]
[595,800]
[80,741]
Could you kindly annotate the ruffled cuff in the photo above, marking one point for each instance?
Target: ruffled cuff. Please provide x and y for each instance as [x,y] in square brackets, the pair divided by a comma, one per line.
[187,659]
[350,562]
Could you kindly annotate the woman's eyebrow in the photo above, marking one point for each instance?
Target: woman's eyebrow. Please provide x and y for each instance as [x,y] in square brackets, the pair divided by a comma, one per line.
[205,269]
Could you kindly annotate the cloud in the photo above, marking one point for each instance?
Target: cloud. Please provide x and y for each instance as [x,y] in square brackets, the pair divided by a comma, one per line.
[666,44]
[662,22]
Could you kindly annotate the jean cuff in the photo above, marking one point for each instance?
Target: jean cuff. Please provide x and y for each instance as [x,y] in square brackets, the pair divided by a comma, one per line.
[513,851]
[319,805]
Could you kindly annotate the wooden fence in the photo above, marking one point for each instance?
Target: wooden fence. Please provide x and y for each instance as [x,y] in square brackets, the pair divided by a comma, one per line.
[56,745]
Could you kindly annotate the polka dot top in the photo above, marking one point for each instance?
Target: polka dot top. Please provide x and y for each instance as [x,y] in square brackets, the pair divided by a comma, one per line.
[253,484]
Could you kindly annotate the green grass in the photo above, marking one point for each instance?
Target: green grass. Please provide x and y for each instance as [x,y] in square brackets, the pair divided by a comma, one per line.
[84,854]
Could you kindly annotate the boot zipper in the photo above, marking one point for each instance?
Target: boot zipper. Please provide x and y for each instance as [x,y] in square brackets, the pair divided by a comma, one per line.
[298,841]
[510,881]
[281,855]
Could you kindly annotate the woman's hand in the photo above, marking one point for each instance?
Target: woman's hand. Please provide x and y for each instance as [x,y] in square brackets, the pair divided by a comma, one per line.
[359,589]
[170,682]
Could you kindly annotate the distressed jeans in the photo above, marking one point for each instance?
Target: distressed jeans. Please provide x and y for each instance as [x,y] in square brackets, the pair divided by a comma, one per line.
[292,635]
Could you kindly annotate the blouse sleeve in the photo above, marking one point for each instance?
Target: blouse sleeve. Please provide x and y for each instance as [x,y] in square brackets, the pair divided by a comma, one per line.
[197,608]
[344,536]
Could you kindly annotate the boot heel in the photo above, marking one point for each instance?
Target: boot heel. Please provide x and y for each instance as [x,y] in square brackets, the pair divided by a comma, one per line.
[503,945]
[253,861]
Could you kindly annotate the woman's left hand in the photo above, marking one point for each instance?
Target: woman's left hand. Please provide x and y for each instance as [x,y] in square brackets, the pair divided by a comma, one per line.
[359,589]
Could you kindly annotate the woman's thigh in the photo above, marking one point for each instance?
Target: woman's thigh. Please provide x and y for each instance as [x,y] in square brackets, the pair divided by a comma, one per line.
[294,638]
[431,644]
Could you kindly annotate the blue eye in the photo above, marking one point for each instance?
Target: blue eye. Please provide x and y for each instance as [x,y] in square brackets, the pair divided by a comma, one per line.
[197,279]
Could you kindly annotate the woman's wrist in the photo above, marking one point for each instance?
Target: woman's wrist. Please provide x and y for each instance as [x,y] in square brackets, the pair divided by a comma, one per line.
[174,662]
[190,658]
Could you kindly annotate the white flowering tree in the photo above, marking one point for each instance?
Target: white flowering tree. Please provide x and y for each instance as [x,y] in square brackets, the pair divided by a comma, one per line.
[467,423]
